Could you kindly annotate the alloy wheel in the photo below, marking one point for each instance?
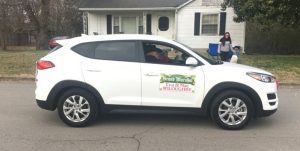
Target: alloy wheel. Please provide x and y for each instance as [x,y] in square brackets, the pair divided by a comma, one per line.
[232,111]
[76,108]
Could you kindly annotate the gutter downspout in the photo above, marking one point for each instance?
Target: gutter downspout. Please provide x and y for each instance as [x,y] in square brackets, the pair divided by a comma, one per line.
[175,37]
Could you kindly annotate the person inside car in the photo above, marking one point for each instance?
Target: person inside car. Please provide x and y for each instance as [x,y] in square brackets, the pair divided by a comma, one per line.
[154,55]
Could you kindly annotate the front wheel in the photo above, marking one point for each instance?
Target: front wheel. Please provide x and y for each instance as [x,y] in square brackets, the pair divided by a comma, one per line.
[77,108]
[232,110]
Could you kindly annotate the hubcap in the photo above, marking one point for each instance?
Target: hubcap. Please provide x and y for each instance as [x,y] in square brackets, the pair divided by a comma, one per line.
[232,111]
[76,108]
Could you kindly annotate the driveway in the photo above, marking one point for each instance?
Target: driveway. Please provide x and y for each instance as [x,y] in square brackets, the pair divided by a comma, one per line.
[25,127]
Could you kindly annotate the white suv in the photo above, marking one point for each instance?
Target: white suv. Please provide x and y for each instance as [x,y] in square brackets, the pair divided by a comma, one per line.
[92,74]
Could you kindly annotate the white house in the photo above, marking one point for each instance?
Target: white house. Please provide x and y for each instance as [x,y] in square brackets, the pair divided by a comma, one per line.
[195,23]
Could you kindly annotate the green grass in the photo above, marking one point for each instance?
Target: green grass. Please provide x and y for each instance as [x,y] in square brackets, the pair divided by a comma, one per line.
[19,63]
[285,67]
[20,48]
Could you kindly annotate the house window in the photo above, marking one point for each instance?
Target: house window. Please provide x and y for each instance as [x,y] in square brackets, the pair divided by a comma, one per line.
[116,24]
[163,23]
[210,24]
[141,28]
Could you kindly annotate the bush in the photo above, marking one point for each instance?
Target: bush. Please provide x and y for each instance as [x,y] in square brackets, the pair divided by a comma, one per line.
[275,39]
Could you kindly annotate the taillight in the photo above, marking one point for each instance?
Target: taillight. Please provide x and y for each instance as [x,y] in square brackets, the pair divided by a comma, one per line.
[42,65]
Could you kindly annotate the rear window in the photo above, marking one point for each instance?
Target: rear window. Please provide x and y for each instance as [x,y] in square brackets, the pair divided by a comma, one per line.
[85,49]
[55,48]
[117,50]
[109,50]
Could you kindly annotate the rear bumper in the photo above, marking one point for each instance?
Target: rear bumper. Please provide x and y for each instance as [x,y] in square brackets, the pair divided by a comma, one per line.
[45,105]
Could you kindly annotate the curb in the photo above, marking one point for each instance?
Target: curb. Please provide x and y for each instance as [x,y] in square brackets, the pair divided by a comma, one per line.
[17,79]
[289,84]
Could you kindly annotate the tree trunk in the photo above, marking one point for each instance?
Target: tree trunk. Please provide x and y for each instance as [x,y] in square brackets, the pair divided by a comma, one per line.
[42,38]
[4,45]
[40,22]
[3,28]
[3,41]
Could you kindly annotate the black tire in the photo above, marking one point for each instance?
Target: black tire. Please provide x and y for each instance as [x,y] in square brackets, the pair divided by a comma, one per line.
[88,103]
[224,108]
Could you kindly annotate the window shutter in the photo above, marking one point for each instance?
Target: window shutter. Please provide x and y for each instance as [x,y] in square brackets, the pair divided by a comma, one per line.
[148,24]
[197,24]
[109,24]
[222,23]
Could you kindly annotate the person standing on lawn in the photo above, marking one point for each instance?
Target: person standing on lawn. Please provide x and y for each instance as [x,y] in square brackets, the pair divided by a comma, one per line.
[225,48]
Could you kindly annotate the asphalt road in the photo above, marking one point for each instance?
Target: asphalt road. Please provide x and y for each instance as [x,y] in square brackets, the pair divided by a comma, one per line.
[26,127]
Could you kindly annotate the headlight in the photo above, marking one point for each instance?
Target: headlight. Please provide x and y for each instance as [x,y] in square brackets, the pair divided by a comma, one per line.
[262,77]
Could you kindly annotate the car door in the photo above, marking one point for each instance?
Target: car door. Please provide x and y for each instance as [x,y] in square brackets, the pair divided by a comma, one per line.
[114,70]
[171,84]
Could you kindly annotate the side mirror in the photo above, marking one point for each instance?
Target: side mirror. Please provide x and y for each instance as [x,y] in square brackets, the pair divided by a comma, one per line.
[191,61]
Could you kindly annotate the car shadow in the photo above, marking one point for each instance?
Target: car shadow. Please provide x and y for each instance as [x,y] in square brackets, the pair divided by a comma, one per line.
[153,118]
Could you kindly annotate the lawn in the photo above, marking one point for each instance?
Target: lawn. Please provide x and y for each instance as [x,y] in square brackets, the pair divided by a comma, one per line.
[20,62]
[285,67]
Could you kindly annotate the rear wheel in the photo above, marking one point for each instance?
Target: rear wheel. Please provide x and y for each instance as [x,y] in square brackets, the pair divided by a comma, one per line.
[77,108]
[232,110]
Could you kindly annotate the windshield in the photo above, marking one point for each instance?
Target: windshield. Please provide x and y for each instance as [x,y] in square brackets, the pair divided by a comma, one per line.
[202,55]
[208,59]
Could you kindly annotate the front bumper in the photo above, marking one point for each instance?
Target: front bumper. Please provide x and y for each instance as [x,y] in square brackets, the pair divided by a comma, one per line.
[45,105]
[265,113]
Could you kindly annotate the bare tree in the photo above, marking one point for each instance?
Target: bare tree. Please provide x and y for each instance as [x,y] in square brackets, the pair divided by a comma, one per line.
[65,18]
[38,12]
[11,18]
[3,25]
[48,17]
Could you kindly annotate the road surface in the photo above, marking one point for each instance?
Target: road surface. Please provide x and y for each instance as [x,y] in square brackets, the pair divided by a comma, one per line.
[26,127]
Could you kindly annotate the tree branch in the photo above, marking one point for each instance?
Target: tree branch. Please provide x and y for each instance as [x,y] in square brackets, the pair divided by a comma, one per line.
[31,15]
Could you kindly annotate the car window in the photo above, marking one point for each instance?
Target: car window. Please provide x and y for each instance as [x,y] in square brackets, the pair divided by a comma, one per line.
[117,50]
[56,48]
[161,53]
[209,60]
[85,49]
[108,50]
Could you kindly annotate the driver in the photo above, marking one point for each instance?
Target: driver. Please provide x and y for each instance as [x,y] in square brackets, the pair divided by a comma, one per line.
[154,55]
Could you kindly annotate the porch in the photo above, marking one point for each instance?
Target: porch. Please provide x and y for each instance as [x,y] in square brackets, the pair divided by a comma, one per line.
[130,22]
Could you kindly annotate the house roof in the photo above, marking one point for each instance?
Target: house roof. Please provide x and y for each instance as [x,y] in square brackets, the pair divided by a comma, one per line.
[130,4]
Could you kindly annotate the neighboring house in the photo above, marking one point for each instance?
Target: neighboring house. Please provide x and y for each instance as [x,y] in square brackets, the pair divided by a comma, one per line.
[195,23]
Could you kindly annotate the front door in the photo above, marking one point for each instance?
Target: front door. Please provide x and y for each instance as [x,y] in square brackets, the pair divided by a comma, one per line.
[163,23]
[169,82]
[129,25]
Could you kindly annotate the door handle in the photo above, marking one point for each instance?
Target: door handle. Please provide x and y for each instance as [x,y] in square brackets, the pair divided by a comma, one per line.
[152,74]
[94,70]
